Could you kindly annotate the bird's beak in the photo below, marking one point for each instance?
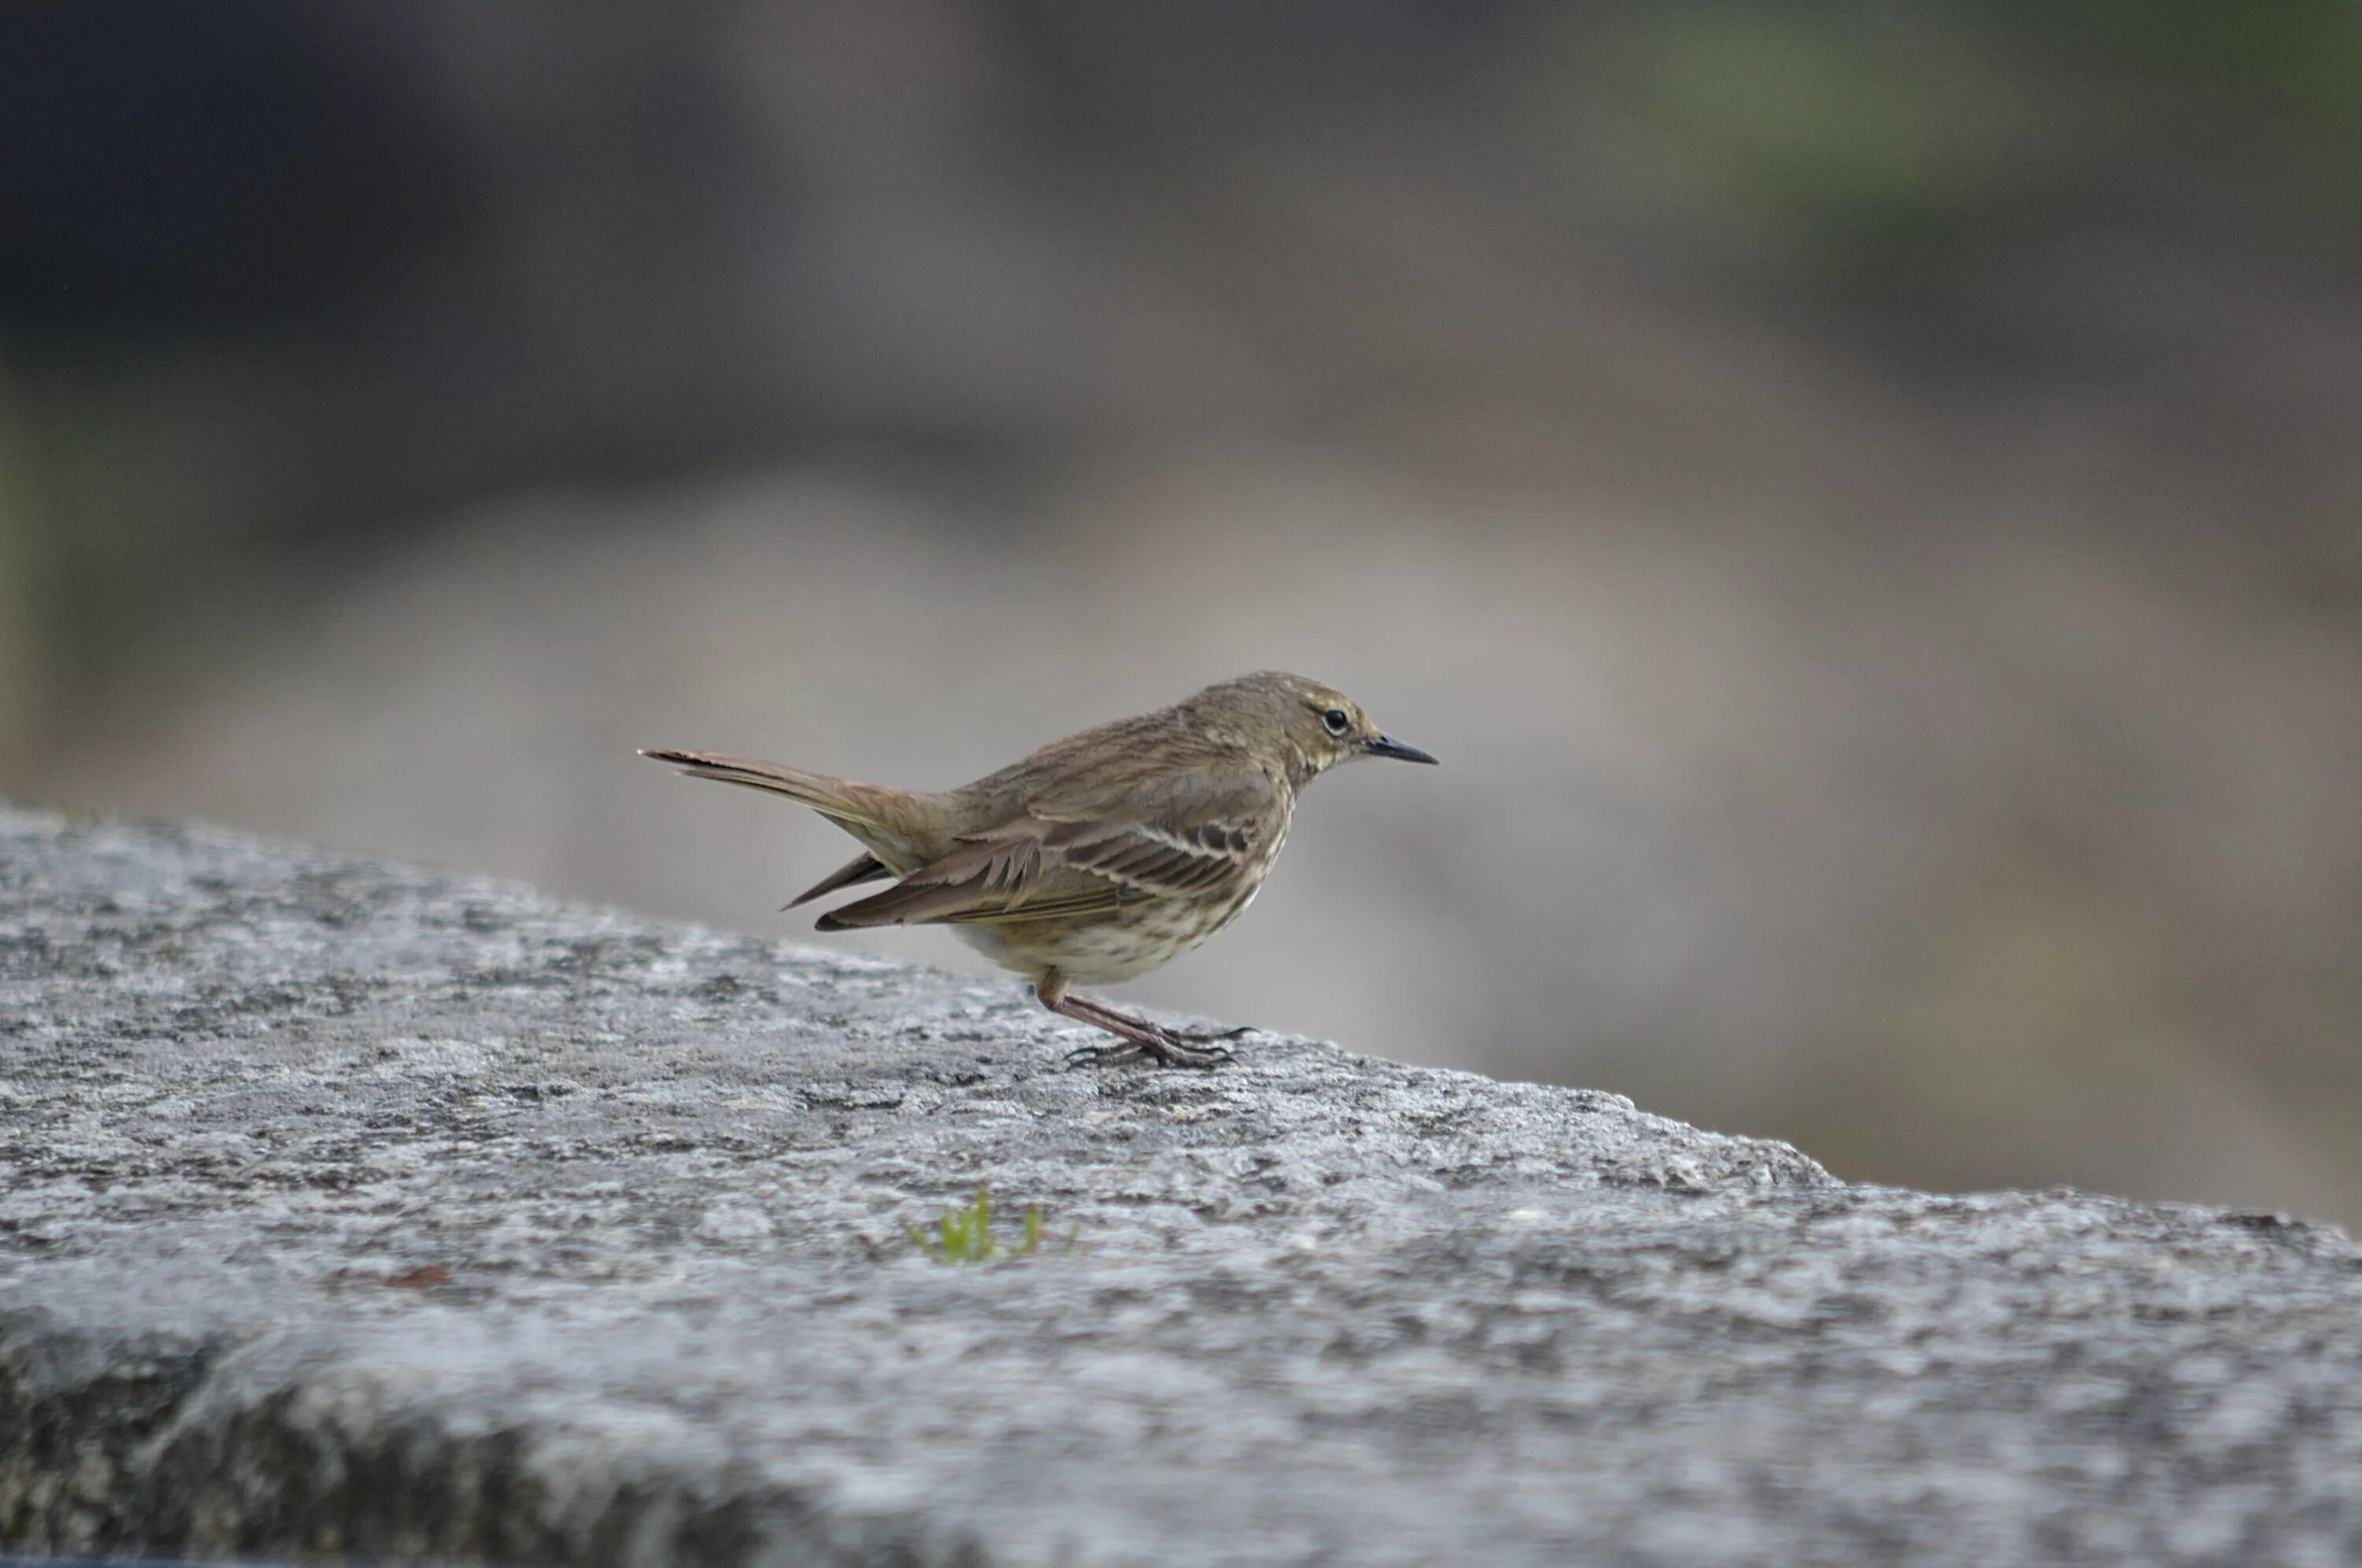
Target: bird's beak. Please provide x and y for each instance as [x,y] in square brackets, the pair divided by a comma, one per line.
[1387,745]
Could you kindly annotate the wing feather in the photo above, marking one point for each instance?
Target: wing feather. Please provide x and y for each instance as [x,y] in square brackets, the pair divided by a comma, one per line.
[862,867]
[1057,860]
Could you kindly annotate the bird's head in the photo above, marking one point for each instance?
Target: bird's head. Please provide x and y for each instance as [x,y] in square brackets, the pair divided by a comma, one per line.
[1306,727]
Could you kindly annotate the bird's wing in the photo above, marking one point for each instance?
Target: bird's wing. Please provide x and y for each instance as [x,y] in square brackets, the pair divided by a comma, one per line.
[1070,853]
[862,867]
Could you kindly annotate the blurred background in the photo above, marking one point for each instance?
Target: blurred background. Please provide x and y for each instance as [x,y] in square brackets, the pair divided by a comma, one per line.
[1866,498]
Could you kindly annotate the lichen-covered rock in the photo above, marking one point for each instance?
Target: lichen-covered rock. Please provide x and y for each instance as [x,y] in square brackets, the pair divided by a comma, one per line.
[353,1209]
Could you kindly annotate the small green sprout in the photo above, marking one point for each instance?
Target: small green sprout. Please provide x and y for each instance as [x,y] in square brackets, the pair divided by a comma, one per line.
[964,1233]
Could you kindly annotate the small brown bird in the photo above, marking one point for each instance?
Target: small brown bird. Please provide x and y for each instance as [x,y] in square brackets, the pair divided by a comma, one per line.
[1101,855]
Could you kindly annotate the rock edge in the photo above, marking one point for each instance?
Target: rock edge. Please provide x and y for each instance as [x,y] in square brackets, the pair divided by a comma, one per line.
[353,1209]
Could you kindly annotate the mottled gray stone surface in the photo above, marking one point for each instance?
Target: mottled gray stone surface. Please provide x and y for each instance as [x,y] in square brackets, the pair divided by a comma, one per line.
[353,1209]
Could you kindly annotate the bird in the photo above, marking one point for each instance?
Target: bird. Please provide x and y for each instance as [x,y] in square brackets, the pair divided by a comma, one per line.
[1098,858]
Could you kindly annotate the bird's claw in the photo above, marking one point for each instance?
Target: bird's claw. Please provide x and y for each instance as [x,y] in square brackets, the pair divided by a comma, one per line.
[1212,1036]
[1183,1052]
[1170,1048]
[1104,1055]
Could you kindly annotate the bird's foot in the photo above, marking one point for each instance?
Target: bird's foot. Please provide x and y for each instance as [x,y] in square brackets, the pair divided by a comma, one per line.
[1165,1047]
[1211,1036]
[1144,1038]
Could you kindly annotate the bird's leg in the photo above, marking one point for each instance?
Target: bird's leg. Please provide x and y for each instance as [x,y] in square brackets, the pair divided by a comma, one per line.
[1172,1048]
[1140,1036]
[1116,1021]
[1212,1036]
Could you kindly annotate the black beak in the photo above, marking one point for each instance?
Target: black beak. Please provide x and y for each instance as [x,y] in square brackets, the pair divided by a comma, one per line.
[1387,745]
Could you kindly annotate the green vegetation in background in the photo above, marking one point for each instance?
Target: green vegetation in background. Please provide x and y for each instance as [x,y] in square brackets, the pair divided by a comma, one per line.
[1883,138]
[2293,65]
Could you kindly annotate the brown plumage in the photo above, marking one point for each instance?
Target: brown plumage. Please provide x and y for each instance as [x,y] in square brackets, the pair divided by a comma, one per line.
[1101,855]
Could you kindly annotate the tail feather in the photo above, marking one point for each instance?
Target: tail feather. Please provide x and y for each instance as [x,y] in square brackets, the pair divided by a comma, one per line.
[841,799]
[866,810]
[899,827]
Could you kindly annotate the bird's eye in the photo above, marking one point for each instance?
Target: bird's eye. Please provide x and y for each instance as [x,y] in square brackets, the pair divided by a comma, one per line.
[1335,718]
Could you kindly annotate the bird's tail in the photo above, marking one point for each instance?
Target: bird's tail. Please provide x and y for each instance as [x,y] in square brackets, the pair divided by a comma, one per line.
[866,810]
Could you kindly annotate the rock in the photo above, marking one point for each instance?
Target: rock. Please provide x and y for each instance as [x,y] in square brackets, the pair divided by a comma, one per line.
[353,1209]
